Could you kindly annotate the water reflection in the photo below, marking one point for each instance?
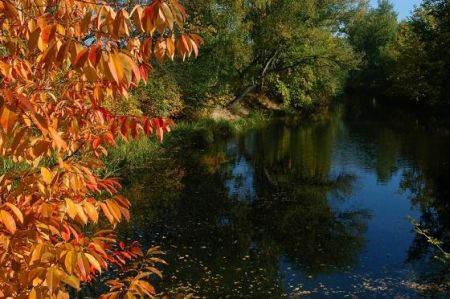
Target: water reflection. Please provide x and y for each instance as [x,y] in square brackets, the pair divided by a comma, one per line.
[294,207]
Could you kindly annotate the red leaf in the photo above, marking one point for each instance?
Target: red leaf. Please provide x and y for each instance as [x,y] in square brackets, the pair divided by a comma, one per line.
[94,54]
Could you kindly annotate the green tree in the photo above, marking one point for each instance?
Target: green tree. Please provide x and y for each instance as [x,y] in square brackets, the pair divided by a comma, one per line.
[423,57]
[292,51]
[299,55]
[373,33]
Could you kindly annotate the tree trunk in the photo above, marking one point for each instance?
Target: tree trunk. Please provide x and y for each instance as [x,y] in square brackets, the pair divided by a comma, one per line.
[260,84]
[242,95]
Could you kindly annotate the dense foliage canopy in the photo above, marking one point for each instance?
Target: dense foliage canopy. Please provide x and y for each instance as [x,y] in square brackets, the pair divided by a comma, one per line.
[423,58]
[406,60]
[295,52]
[60,60]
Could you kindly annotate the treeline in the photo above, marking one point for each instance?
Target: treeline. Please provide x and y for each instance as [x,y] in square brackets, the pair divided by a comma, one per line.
[408,60]
[301,54]
[294,52]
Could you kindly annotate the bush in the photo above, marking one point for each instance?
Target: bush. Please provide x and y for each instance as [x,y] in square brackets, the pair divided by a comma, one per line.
[161,96]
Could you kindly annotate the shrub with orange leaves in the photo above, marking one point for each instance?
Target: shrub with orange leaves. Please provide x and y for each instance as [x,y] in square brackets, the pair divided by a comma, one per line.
[59,61]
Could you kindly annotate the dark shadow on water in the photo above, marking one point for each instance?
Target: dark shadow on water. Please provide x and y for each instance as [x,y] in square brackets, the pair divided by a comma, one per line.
[292,207]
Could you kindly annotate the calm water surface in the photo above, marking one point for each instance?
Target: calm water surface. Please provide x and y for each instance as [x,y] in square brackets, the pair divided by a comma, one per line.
[291,209]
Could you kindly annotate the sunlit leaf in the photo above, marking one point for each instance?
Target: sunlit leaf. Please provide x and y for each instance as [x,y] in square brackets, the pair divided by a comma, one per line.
[8,221]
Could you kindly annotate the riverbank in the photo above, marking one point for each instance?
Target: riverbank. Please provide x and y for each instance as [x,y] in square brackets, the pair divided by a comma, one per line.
[203,128]
[192,133]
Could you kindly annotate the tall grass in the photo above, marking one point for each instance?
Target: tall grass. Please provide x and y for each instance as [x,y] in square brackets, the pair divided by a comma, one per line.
[141,152]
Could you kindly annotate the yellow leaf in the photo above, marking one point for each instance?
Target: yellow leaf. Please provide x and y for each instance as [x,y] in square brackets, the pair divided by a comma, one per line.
[81,214]
[69,261]
[93,261]
[4,68]
[71,281]
[91,211]
[36,255]
[16,211]
[71,208]
[130,68]
[47,175]
[52,279]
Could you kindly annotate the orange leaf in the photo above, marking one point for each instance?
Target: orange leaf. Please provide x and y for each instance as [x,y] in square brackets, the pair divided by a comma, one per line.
[136,14]
[32,294]
[81,58]
[114,209]
[7,119]
[8,221]
[80,264]
[47,34]
[146,48]
[59,142]
[148,18]
[115,67]
[170,47]
[168,14]
[107,213]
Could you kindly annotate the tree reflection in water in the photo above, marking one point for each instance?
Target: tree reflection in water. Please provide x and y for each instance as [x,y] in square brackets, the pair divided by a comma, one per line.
[240,217]
[245,204]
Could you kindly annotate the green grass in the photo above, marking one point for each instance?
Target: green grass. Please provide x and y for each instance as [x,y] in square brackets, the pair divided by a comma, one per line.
[205,131]
[8,165]
[131,155]
[199,133]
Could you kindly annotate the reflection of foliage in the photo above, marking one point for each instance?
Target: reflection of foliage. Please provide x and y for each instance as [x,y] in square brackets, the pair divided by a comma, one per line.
[429,193]
[443,255]
[213,161]
[432,240]
[300,225]
[225,244]
[426,180]
[435,280]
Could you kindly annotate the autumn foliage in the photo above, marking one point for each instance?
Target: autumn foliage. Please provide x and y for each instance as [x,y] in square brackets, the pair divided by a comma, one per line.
[60,60]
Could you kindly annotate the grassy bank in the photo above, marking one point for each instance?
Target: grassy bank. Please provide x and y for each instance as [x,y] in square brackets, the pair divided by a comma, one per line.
[197,133]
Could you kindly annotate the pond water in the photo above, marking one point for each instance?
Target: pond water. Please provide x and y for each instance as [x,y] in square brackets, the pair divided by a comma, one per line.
[296,209]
